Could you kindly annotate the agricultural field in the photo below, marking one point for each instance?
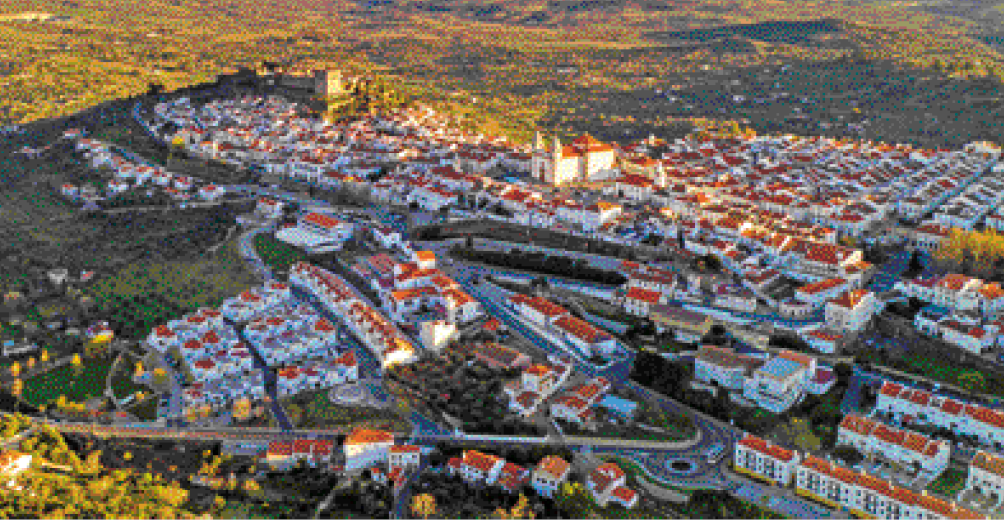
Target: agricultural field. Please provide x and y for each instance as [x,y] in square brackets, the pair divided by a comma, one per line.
[45,388]
[144,295]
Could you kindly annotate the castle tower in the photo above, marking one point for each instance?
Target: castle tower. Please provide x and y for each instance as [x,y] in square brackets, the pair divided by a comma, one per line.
[660,175]
[555,161]
[329,82]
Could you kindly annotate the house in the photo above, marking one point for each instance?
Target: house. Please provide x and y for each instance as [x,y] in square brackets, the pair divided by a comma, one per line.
[513,477]
[537,310]
[268,208]
[279,454]
[211,192]
[386,237]
[404,456]
[866,496]
[986,475]
[496,355]
[824,341]
[476,467]
[317,232]
[365,448]
[622,409]
[818,293]
[735,297]
[724,367]
[911,405]
[586,339]
[638,301]
[765,461]
[898,445]
[688,326]
[851,311]
[606,483]
[551,472]
[781,382]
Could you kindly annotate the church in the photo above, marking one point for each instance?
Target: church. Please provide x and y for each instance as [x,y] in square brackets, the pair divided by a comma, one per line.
[582,161]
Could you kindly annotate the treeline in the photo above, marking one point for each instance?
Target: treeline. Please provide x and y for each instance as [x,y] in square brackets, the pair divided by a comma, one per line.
[976,253]
[562,266]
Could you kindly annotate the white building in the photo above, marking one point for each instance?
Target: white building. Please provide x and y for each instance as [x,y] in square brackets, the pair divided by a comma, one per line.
[895,444]
[550,473]
[986,475]
[866,496]
[404,456]
[761,459]
[365,448]
[851,311]
[317,232]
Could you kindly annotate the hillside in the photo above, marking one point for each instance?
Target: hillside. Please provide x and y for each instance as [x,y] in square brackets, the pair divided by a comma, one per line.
[528,60]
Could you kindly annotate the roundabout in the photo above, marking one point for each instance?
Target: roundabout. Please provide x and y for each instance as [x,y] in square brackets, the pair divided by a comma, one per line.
[681,466]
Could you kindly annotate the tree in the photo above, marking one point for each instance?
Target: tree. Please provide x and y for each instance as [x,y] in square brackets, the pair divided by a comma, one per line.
[77,364]
[31,363]
[423,505]
[159,376]
[849,454]
[44,357]
[242,409]
[973,381]
[17,387]
[15,369]
[914,266]
[138,372]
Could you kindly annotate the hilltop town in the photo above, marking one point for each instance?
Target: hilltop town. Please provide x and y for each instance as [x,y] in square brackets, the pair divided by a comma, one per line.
[373,310]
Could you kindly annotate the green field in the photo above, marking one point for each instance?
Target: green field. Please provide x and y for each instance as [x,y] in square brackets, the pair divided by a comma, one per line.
[319,411]
[277,255]
[46,387]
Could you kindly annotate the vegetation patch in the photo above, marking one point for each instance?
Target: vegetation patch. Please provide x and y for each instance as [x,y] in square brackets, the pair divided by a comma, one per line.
[121,381]
[949,483]
[78,385]
[279,256]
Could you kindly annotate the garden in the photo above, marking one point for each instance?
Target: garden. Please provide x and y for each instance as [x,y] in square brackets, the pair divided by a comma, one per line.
[949,483]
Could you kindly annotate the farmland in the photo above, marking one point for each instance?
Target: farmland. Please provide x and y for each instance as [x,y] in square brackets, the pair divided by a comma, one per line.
[44,388]
[143,295]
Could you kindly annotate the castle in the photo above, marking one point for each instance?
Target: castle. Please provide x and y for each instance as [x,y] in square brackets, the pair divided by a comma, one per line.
[323,82]
[581,161]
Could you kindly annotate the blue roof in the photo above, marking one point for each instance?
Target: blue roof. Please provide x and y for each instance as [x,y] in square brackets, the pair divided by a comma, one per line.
[780,367]
[619,405]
